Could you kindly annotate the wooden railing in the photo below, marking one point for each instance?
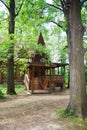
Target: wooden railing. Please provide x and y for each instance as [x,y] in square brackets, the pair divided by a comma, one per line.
[48,82]
[54,81]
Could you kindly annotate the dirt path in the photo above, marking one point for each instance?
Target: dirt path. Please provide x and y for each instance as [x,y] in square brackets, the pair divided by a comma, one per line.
[35,112]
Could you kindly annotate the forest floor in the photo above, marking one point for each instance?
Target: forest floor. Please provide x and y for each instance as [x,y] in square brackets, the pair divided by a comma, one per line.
[35,112]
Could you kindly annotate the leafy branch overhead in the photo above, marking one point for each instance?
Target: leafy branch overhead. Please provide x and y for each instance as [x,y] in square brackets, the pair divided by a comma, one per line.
[9,9]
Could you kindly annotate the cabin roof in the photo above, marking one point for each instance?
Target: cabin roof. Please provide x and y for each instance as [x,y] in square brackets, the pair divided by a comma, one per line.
[61,64]
[41,65]
[41,39]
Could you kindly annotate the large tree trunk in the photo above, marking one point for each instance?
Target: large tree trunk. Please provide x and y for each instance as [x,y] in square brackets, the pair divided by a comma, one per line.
[78,98]
[10,78]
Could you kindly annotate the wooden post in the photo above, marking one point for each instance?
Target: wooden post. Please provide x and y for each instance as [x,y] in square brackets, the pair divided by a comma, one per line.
[58,70]
[32,81]
[50,90]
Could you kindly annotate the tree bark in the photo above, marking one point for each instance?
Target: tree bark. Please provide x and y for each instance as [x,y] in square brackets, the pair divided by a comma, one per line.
[78,97]
[10,77]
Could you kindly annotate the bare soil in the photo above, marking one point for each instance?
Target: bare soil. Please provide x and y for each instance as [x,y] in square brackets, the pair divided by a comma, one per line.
[33,112]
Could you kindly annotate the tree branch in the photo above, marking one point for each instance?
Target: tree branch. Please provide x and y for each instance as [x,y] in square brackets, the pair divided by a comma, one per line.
[55,6]
[57,24]
[5,5]
[19,8]
[56,3]
[63,5]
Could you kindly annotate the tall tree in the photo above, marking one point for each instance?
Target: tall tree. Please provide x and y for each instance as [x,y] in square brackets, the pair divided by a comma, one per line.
[10,5]
[10,64]
[75,32]
[78,97]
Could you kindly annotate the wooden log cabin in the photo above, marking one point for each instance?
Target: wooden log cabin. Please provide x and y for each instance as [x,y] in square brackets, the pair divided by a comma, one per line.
[42,76]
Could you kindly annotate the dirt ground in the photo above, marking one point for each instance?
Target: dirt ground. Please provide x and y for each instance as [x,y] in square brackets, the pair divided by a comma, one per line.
[32,112]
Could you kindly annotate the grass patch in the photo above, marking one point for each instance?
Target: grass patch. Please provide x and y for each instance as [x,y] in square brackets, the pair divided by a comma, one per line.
[61,113]
[18,88]
[71,121]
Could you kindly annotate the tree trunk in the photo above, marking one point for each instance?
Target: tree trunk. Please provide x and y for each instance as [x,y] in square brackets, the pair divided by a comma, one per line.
[10,78]
[78,98]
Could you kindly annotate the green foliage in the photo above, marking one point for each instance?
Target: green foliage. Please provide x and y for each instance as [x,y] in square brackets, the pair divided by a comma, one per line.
[26,33]
[3,89]
[31,16]
[18,88]
[21,63]
[1,94]
[84,13]
[61,113]
[43,50]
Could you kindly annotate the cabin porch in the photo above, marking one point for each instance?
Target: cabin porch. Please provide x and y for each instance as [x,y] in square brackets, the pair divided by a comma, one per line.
[42,77]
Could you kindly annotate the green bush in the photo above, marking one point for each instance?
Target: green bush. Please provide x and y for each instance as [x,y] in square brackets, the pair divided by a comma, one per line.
[1,94]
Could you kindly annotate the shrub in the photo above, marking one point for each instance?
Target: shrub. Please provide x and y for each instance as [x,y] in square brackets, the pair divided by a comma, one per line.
[1,94]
